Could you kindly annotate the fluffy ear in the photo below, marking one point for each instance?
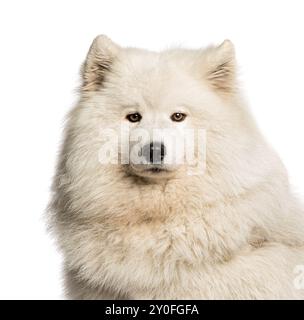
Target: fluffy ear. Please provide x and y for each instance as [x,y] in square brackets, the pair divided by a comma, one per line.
[220,67]
[98,62]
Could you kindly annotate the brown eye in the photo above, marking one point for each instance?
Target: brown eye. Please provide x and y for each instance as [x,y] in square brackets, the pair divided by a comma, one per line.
[178,117]
[134,117]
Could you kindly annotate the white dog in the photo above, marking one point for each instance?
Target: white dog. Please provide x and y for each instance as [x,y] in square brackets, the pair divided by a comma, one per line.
[225,228]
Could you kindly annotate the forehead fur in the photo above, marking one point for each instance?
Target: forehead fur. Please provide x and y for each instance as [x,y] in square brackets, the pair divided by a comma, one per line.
[168,80]
[214,65]
[152,78]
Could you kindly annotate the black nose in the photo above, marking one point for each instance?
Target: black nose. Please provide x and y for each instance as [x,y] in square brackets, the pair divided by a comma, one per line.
[154,152]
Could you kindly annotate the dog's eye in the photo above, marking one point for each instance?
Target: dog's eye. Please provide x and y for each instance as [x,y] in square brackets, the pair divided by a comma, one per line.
[178,117]
[134,117]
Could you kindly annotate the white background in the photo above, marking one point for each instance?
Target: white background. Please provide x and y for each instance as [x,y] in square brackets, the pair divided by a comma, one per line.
[42,44]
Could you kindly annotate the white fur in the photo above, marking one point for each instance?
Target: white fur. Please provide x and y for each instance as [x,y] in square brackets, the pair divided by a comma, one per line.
[236,232]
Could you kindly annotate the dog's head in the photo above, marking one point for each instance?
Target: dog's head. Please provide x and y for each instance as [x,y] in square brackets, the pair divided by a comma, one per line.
[157,111]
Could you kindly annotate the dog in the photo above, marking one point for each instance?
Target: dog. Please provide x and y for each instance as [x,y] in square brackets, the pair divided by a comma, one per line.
[225,226]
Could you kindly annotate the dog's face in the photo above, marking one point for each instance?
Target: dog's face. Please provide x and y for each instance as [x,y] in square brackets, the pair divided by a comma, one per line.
[157,108]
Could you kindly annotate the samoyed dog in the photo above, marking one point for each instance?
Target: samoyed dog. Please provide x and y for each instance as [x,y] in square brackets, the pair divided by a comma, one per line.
[137,216]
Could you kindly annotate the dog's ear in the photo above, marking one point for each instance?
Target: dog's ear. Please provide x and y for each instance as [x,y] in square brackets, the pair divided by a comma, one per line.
[98,62]
[220,67]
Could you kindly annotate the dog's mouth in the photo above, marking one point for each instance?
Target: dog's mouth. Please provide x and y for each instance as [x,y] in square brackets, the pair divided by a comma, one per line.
[156,170]
[151,171]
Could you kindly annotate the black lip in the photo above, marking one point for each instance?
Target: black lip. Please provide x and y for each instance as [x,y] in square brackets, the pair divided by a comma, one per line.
[156,170]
